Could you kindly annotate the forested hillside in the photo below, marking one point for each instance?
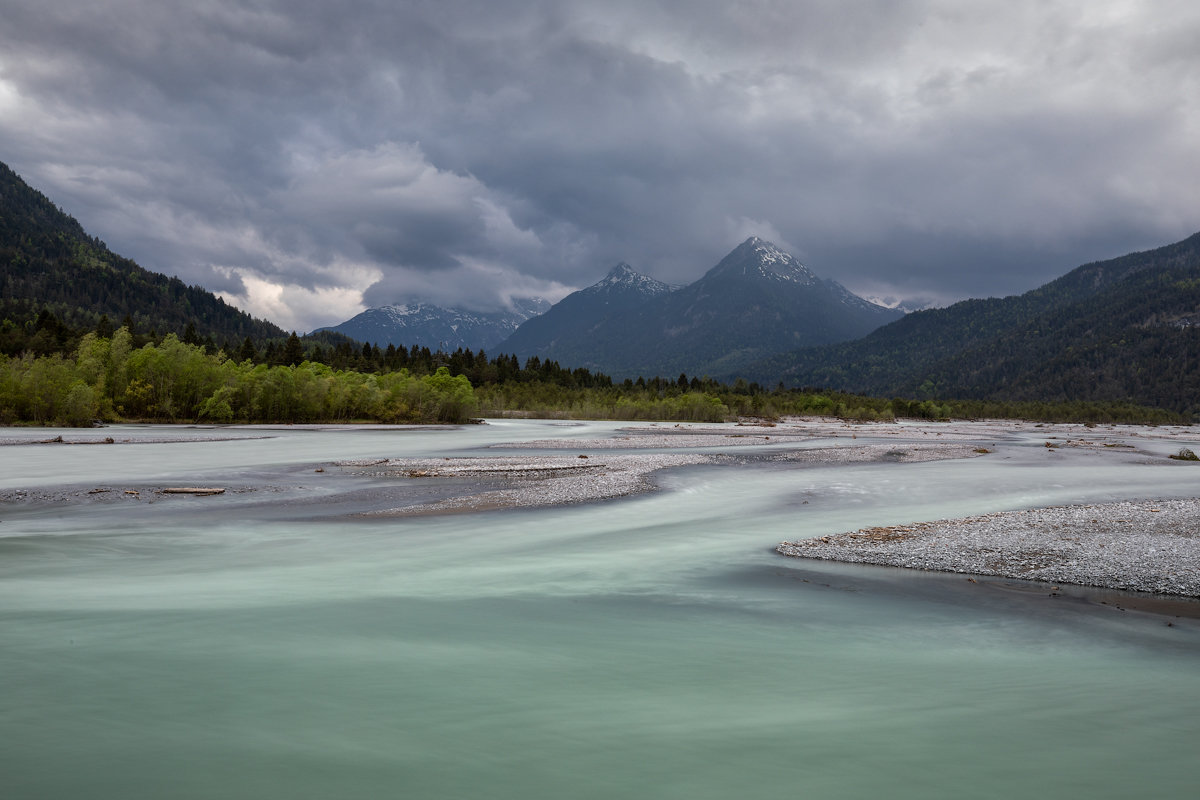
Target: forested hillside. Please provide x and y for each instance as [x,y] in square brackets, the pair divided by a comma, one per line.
[49,263]
[1127,329]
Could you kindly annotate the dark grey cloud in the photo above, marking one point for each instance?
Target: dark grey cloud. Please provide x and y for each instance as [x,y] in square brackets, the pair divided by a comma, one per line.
[308,157]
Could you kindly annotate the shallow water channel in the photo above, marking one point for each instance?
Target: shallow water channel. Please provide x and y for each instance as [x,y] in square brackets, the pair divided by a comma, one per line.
[267,643]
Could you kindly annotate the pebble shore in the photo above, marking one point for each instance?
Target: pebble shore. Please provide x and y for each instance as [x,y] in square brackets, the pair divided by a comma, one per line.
[1136,545]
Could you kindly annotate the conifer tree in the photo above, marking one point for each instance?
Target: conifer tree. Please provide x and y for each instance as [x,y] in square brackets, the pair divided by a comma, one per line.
[293,351]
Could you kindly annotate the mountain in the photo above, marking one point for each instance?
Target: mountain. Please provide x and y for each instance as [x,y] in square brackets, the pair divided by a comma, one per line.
[569,323]
[756,302]
[435,327]
[48,261]
[1127,329]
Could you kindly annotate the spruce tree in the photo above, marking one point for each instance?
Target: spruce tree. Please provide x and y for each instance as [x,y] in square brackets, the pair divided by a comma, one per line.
[293,351]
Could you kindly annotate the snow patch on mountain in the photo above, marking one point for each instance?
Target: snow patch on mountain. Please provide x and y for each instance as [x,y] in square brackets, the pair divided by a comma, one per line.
[906,304]
[426,325]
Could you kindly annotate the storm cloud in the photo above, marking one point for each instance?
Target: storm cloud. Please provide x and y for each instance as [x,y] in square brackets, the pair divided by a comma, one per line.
[306,159]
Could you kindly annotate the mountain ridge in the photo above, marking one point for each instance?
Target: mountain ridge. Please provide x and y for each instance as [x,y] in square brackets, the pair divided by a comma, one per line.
[620,291]
[48,261]
[422,324]
[1126,328]
[755,301]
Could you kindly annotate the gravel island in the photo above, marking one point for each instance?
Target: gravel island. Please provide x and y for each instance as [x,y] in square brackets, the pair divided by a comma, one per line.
[531,482]
[1137,545]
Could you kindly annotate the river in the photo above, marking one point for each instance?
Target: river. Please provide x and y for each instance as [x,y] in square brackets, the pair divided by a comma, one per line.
[268,643]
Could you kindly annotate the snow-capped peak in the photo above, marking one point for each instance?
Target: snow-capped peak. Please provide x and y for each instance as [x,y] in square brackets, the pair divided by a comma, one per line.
[419,323]
[769,253]
[758,257]
[623,277]
[621,273]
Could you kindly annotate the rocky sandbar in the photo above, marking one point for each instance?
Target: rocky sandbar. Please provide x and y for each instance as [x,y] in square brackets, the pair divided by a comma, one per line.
[1148,546]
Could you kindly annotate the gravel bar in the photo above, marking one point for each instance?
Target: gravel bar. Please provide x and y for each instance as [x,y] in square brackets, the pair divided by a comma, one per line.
[903,454]
[644,441]
[1147,546]
[533,482]
[554,480]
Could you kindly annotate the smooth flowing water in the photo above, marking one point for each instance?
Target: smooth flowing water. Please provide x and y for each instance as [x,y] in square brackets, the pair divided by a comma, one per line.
[267,644]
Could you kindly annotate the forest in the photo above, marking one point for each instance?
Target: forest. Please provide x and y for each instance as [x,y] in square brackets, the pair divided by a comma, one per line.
[111,376]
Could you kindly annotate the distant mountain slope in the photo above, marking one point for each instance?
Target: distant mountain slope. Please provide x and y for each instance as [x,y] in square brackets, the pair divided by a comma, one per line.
[567,326]
[48,260]
[1123,329]
[435,327]
[757,301]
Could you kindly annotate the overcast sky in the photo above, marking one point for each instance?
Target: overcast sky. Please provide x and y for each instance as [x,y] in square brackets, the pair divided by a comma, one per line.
[307,159]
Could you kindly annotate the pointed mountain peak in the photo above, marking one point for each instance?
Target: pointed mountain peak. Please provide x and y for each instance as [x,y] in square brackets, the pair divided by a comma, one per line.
[757,257]
[623,277]
[621,271]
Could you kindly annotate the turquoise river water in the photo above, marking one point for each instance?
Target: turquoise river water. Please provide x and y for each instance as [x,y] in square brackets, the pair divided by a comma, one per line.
[267,644]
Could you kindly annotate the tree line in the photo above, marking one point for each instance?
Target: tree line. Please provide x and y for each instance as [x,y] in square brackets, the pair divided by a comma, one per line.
[123,376]
[174,381]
